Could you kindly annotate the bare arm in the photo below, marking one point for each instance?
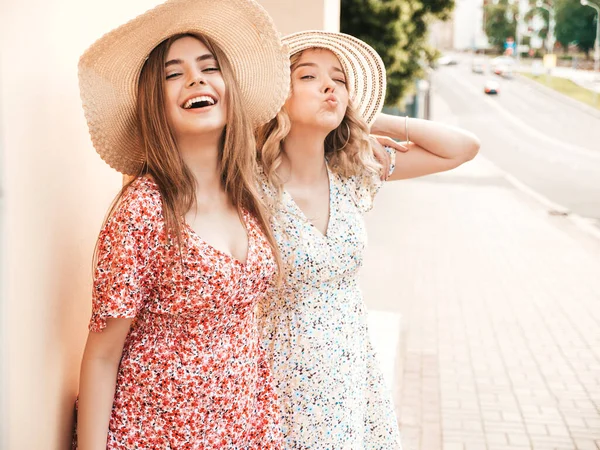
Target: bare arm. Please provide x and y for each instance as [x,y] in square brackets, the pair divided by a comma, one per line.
[97,382]
[434,147]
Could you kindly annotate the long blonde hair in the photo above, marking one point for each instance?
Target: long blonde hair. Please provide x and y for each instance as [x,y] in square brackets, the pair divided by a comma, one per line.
[164,163]
[347,148]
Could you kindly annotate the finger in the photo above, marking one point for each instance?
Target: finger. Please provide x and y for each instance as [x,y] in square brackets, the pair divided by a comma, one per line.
[386,162]
[389,142]
[385,166]
[398,146]
[381,156]
[385,171]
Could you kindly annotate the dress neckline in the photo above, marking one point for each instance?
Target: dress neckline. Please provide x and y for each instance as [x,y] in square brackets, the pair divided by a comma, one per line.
[229,256]
[292,202]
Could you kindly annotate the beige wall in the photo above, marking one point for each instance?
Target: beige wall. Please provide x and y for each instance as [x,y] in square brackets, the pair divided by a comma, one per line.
[53,195]
[56,190]
[297,15]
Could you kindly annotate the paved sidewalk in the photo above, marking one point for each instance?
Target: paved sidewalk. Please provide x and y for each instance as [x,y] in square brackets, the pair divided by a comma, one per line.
[496,306]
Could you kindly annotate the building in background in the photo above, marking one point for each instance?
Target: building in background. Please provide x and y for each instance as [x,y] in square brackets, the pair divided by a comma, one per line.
[464,30]
[468,22]
[441,34]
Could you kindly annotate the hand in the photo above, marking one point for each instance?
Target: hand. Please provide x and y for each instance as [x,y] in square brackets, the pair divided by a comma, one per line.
[389,142]
[382,156]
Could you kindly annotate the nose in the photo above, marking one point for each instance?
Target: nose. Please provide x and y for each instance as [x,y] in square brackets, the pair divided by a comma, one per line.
[196,78]
[329,86]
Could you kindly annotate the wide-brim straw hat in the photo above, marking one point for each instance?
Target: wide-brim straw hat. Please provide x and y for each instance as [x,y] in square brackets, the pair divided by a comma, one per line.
[109,70]
[365,71]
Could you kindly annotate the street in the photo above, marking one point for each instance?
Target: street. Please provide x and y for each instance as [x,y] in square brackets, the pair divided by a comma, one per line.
[549,145]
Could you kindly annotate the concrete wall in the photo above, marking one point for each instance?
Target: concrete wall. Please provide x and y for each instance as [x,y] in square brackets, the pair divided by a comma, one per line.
[54,192]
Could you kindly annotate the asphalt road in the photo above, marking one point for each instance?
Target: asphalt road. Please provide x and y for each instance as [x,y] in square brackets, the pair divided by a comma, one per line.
[547,144]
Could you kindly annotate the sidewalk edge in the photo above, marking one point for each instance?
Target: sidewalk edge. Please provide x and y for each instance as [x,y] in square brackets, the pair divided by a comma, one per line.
[584,224]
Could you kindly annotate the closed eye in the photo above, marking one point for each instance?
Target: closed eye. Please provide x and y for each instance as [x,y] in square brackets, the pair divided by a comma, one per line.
[306,77]
[211,69]
[172,75]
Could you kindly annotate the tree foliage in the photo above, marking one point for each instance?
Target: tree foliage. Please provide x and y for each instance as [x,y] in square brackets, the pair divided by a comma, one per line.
[576,24]
[534,10]
[500,22]
[397,30]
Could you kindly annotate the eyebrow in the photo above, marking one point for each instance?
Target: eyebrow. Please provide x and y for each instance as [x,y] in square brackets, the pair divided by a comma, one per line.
[198,59]
[309,64]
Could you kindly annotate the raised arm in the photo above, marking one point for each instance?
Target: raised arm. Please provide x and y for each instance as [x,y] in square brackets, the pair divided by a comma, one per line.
[434,147]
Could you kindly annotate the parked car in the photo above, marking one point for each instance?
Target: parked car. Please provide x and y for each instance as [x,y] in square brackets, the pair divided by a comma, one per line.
[446,60]
[491,87]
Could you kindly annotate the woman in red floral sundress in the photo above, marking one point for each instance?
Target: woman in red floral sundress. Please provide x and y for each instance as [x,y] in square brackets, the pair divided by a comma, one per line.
[172,360]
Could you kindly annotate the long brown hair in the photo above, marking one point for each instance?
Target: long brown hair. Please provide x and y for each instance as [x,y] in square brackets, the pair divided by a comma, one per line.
[347,148]
[164,163]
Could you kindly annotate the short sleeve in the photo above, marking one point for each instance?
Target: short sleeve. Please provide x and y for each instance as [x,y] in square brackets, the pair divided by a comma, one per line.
[363,188]
[125,251]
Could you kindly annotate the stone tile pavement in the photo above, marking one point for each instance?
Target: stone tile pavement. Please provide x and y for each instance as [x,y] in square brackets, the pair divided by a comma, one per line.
[496,306]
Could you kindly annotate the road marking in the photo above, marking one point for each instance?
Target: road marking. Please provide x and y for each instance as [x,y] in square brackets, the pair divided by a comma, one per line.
[582,151]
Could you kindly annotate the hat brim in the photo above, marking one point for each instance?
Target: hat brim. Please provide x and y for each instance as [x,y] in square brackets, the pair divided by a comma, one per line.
[109,70]
[365,71]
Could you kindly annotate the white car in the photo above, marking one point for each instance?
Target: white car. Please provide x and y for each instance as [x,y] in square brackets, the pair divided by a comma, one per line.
[491,87]
[503,66]
[446,60]
[478,66]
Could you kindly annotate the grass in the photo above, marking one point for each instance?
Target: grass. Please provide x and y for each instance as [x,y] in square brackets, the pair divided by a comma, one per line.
[567,87]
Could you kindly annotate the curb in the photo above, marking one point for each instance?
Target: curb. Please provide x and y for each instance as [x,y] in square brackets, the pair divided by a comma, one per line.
[558,96]
[586,225]
[582,223]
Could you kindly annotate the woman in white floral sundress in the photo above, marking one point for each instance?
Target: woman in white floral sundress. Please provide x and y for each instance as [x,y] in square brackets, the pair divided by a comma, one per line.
[319,177]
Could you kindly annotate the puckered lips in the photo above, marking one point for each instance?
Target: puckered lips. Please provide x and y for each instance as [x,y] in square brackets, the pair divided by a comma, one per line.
[199,102]
[331,101]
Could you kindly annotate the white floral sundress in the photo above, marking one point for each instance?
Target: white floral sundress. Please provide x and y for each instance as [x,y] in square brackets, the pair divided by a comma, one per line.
[331,390]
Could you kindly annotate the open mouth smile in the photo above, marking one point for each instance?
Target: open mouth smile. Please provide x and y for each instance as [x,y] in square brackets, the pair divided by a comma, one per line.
[201,101]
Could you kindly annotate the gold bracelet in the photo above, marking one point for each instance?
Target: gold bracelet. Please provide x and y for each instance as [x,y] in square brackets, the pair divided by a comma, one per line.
[406,130]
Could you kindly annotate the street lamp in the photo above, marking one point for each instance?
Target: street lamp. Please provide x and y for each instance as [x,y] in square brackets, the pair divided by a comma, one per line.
[597,42]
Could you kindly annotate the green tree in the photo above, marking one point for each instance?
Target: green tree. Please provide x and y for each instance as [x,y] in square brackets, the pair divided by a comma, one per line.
[397,30]
[575,24]
[543,13]
[500,22]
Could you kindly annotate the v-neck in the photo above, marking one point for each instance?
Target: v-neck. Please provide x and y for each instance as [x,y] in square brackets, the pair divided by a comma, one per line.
[291,200]
[229,256]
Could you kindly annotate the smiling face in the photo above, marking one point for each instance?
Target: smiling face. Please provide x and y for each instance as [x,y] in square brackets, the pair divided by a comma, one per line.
[195,102]
[319,95]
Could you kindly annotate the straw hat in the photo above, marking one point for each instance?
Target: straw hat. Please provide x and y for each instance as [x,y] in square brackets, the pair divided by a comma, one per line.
[364,68]
[109,70]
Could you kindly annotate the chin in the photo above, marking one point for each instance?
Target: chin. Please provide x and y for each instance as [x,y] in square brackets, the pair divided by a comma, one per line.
[331,121]
[208,127]
[329,125]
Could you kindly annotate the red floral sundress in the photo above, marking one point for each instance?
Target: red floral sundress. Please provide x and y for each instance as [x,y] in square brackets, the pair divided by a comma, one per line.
[192,375]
